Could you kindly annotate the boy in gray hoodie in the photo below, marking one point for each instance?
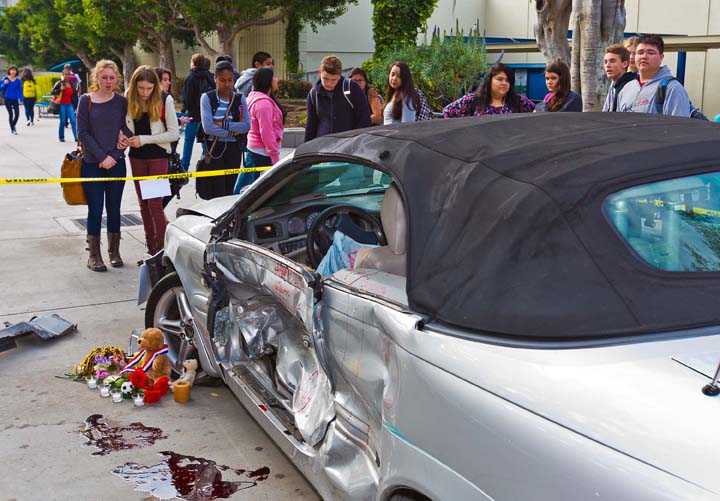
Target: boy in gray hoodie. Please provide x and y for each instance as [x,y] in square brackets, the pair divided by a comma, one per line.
[260,59]
[640,95]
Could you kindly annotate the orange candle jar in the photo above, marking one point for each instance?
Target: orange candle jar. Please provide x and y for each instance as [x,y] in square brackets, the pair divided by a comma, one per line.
[181,391]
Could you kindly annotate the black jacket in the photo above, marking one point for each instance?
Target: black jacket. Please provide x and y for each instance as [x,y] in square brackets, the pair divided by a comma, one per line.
[329,112]
[196,84]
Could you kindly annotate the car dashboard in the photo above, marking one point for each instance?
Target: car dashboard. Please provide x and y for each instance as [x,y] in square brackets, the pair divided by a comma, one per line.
[284,229]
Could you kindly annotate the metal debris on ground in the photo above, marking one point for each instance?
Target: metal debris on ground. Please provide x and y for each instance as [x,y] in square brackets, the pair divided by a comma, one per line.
[46,327]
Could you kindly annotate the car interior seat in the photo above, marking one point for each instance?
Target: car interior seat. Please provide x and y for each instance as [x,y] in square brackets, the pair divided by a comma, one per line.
[390,258]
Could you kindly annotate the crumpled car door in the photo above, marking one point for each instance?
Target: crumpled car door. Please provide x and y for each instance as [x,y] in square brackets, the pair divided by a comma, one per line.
[265,317]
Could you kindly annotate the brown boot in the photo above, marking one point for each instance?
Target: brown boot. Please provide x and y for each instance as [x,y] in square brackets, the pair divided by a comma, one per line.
[95,262]
[114,250]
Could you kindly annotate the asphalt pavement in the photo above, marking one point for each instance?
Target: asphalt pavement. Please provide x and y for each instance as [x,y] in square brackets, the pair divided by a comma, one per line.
[42,415]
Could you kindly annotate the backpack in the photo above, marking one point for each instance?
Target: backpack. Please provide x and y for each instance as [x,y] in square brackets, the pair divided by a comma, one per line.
[660,101]
[346,94]
[423,112]
[236,113]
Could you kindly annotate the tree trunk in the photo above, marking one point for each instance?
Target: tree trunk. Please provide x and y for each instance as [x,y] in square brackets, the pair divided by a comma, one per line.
[226,38]
[128,61]
[552,27]
[167,56]
[597,24]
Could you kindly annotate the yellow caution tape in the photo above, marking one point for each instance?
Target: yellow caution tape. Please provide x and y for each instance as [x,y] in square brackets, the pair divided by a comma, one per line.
[183,175]
[678,207]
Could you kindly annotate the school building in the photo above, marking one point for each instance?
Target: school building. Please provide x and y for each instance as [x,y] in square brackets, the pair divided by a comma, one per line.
[691,27]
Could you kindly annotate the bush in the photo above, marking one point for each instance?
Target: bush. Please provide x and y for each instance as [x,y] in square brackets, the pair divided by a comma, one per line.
[293,89]
[45,83]
[444,69]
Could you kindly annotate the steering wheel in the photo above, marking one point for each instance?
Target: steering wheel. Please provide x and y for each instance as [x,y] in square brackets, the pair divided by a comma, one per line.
[322,231]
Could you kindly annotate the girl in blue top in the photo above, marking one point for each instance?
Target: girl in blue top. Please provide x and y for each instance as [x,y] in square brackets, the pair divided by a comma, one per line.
[226,122]
[12,86]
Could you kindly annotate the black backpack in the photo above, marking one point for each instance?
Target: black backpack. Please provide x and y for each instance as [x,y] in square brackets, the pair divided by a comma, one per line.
[236,113]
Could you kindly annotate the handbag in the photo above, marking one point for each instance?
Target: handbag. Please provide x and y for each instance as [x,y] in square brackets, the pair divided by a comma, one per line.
[54,106]
[73,193]
[175,167]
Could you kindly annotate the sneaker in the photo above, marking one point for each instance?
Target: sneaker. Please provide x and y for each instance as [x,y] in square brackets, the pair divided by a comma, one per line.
[62,140]
[14,132]
[28,124]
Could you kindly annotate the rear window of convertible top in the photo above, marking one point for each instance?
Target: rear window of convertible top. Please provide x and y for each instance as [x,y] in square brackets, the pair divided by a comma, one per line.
[673,225]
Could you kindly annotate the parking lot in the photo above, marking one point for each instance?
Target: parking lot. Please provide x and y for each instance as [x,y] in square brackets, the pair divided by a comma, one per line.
[42,270]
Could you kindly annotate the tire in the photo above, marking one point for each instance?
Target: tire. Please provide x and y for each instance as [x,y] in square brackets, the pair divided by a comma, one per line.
[408,495]
[163,312]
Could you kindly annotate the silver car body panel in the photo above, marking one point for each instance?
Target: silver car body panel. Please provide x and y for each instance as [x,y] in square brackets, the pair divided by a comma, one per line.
[185,241]
[380,404]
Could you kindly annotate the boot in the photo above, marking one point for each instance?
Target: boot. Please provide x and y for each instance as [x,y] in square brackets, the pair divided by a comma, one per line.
[149,246]
[95,262]
[114,250]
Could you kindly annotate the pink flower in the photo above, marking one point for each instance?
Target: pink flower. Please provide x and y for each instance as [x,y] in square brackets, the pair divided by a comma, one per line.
[102,374]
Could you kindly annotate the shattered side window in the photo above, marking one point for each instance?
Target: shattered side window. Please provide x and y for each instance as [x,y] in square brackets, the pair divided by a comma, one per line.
[673,225]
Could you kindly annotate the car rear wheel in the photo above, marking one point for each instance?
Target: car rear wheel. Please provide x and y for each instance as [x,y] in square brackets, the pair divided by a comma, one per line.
[168,309]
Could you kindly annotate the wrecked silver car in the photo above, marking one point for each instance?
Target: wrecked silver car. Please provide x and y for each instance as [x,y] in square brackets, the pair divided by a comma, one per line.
[528,309]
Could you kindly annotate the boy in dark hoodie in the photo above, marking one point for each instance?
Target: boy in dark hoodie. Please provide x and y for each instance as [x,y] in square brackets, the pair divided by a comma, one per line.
[335,103]
[616,62]
[198,81]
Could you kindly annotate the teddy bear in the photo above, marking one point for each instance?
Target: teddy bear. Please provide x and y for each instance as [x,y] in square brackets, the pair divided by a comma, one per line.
[190,372]
[152,358]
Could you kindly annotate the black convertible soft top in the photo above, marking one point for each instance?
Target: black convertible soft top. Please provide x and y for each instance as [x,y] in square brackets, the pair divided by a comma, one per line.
[506,228]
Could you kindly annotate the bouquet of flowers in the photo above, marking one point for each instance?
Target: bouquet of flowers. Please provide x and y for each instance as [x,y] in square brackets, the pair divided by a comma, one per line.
[108,365]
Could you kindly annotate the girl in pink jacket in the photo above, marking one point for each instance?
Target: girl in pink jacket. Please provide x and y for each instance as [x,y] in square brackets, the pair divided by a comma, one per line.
[266,126]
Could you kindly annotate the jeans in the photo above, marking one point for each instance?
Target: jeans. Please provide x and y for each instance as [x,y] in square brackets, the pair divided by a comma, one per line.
[151,210]
[252,159]
[30,109]
[13,109]
[67,113]
[109,192]
[189,141]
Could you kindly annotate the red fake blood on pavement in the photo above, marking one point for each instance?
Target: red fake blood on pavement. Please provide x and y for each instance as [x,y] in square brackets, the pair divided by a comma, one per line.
[108,438]
[191,478]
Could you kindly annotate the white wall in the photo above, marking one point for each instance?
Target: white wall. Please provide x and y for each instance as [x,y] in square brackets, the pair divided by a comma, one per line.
[350,38]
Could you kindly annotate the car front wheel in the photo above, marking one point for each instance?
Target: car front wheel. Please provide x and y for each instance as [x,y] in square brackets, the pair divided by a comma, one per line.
[168,309]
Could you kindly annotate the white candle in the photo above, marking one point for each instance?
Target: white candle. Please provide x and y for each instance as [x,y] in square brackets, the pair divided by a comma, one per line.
[117,396]
[105,390]
[138,400]
[92,382]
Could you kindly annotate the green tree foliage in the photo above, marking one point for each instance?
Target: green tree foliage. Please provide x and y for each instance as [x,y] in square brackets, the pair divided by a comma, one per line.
[17,49]
[444,69]
[396,23]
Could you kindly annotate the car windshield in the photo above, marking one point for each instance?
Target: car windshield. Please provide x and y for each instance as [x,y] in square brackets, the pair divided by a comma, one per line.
[673,225]
[331,179]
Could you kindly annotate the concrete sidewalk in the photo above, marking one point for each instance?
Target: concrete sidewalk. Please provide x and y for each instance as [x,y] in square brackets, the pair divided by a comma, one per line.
[42,271]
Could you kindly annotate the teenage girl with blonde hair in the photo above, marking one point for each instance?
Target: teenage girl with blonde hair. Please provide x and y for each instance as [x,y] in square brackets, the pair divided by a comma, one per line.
[100,119]
[153,127]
